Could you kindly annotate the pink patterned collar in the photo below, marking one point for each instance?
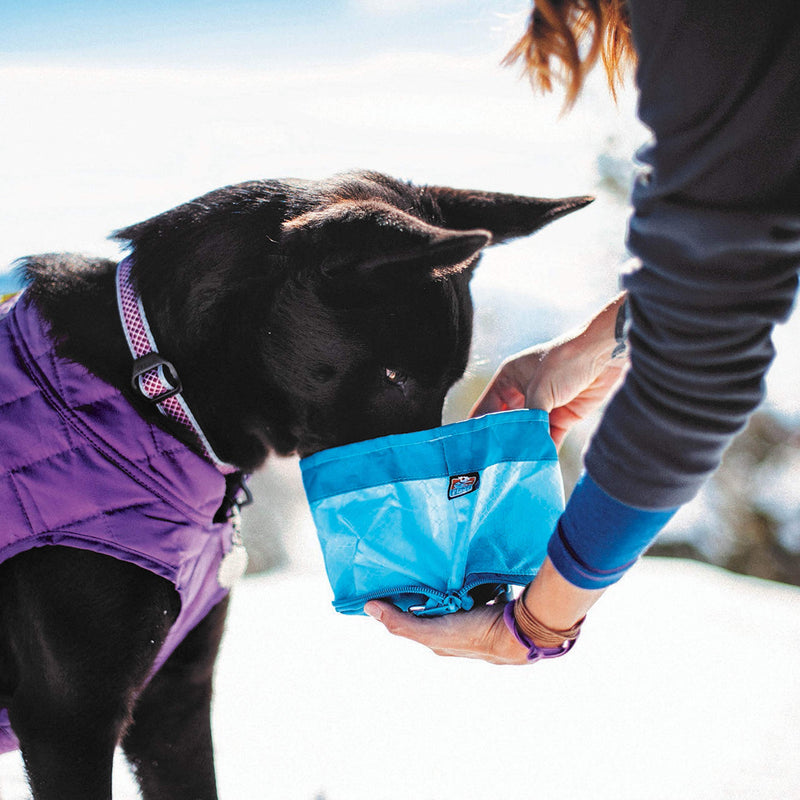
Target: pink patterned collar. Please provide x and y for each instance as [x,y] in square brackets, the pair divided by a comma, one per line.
[153,377]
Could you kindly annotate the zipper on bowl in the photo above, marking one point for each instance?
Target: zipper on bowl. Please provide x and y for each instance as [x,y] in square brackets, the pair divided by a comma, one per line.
[359,602]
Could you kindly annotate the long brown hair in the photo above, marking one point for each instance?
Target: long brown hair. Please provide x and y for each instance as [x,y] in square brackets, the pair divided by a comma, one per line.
[574,34]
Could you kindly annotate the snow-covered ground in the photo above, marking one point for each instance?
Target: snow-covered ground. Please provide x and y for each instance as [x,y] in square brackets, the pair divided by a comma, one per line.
[685,685]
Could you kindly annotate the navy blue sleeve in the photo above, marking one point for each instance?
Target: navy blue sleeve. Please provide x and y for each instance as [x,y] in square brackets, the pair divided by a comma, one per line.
[716,230]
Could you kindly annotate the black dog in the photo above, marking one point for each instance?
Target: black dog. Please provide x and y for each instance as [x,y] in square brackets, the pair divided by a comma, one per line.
[299,316]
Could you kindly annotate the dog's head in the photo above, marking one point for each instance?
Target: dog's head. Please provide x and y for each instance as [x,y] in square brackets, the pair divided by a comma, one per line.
[305,315]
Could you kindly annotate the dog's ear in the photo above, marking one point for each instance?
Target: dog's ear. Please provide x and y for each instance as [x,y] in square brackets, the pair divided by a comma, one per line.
[373,239]
[193,256]
[507,216]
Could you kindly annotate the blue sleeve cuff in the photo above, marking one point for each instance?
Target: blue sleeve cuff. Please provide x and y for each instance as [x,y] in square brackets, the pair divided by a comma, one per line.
[598,538]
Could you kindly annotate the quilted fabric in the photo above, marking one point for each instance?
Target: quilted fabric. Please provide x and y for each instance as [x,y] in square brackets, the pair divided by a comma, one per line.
[79,467]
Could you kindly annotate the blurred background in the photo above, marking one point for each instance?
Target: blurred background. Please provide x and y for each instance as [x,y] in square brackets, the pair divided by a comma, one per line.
[114,111]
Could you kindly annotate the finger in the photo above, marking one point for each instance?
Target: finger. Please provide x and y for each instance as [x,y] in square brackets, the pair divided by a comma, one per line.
[498,396]
[557,435]
[488,403]
[480,633]
[561,421]
[403,624]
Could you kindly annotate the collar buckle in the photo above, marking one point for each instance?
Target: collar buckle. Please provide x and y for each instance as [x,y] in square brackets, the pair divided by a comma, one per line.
[165,383]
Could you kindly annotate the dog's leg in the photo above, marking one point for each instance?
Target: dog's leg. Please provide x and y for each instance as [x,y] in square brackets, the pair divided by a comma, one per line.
[169,740]
[84,630]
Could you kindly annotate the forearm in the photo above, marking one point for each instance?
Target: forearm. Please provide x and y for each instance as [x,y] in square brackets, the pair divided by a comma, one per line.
[556,602]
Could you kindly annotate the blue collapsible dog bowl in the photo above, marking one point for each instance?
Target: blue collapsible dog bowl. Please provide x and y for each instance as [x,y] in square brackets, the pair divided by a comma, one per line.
[433,519]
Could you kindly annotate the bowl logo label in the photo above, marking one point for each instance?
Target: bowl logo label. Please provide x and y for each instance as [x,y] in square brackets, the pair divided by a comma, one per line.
[462,484]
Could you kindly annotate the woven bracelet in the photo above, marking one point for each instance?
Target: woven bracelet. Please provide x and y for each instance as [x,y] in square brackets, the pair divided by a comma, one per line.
[557,643]
[534,629]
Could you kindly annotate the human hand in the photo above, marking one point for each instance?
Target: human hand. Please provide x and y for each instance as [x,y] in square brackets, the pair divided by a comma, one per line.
[569,377]
[480,633]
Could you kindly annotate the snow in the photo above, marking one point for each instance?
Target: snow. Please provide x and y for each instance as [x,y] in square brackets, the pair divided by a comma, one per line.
[684,684]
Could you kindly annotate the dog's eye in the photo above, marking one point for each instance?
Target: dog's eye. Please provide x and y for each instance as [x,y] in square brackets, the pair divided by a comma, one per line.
[394,376]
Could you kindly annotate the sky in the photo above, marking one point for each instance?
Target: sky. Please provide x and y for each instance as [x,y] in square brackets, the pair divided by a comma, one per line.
[239,33]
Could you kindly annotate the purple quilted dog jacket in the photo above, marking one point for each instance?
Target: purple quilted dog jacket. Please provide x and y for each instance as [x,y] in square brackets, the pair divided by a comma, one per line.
[79,467]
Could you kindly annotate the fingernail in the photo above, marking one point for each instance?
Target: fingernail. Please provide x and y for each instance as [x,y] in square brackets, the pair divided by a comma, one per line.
[373,610]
